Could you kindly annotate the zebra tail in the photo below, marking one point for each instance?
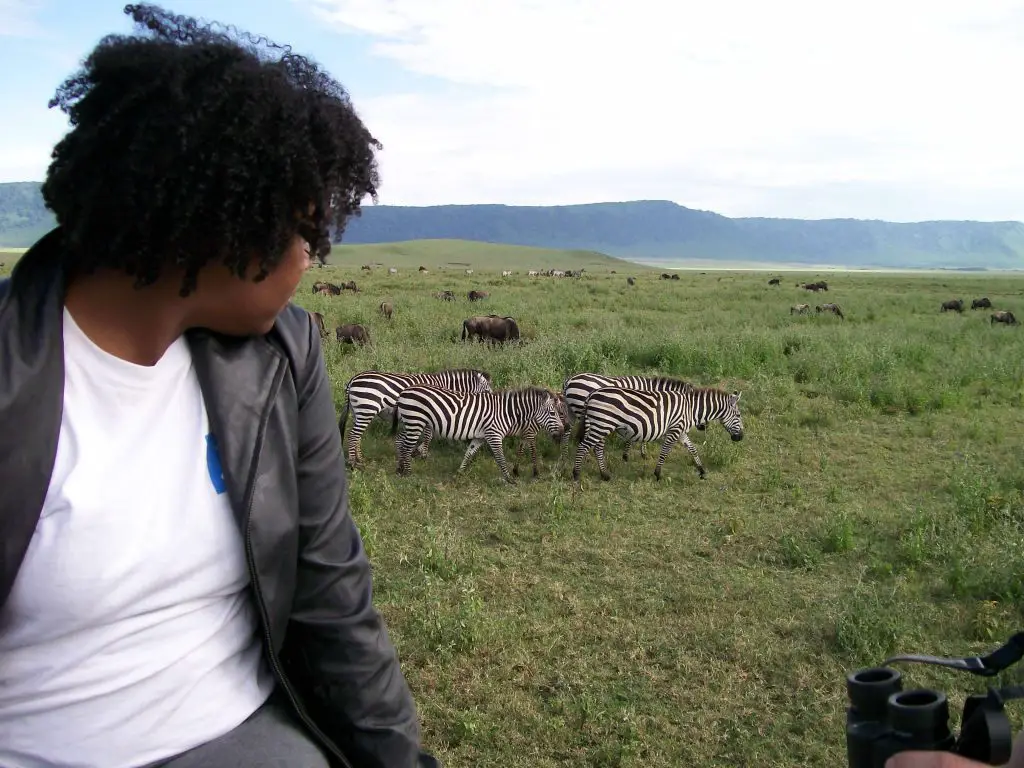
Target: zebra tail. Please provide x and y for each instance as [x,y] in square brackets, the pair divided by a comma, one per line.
[581,426]
[394,420]
[463,330]
[343,418]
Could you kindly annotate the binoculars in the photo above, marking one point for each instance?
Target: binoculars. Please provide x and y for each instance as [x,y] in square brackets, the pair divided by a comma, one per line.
[883,719]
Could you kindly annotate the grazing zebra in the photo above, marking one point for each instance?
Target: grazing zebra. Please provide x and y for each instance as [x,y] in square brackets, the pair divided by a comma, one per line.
[642,416]
[370,393]
[579,387]
[487,417]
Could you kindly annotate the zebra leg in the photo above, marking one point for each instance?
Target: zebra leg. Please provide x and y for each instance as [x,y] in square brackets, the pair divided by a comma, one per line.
[693,452]
[527,439]
[424,446]
[563,449]
[404,444]
[625,450]
[495,442]
[474,446]
[519,454]
[670,440]
[590,439]
[643,451]
[359,424]
[601,462]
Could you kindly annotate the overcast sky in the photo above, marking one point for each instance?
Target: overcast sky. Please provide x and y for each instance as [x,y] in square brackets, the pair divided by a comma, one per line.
[901,110]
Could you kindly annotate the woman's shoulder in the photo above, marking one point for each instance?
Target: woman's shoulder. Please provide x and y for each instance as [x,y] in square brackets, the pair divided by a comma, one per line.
[297,336]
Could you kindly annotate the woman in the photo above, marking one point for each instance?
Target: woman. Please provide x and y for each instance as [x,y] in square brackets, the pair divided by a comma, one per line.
[181,583]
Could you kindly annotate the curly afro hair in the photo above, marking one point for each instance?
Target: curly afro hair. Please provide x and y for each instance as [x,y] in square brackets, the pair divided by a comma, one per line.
[195,142]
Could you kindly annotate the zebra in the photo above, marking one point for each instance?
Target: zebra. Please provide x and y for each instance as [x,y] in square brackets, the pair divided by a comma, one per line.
[487,417]
[579,387]
[370,393]
[644,416]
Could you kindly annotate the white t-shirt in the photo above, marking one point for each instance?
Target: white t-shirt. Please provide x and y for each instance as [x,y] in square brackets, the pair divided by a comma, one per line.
[129,635]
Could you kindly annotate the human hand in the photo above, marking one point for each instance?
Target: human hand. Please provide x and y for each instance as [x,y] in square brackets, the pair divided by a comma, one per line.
[918,759]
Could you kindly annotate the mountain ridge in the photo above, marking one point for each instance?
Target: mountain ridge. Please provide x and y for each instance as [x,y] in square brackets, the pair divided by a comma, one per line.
[644,230]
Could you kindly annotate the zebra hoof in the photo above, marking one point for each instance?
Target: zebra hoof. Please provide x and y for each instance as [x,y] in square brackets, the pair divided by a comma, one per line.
[515,471]
[606,476]
[625,457]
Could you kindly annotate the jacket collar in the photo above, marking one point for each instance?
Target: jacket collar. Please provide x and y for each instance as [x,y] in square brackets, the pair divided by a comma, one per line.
[239,378]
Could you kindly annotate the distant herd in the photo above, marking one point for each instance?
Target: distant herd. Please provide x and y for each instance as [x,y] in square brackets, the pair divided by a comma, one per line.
[953,305]
[998,316]
[461,404]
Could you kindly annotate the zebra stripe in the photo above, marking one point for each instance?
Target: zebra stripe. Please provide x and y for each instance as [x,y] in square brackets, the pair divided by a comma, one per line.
[579,387]
[640,416]
[487,417]
[372,393]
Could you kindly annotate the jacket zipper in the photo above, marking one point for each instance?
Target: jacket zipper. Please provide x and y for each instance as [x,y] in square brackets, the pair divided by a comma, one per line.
[264,616]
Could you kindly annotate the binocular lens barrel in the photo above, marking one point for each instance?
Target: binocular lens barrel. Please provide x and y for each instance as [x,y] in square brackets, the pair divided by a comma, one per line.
[920,712]
[869,690]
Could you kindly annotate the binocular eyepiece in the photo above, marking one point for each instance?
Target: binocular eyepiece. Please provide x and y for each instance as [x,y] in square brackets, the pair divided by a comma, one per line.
[883,719]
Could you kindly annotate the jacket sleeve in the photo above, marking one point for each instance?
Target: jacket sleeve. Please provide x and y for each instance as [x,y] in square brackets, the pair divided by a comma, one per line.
[348,667]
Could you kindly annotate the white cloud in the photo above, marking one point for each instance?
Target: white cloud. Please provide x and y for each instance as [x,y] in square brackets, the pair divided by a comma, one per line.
[733,105]
[17,18]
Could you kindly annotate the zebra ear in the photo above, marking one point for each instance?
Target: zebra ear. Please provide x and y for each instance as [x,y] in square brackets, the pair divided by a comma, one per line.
[736,393]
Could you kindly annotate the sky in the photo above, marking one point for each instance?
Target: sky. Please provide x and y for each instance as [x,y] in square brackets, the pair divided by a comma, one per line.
[904,110]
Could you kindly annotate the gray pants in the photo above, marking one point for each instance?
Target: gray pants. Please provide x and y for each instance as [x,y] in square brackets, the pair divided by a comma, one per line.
[271,738]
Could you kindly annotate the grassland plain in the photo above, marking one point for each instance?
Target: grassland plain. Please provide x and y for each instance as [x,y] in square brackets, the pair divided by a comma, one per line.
[875,506]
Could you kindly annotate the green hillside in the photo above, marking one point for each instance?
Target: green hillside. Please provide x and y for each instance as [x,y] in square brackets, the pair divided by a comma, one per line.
[440,255]
[466,254]
[643,230]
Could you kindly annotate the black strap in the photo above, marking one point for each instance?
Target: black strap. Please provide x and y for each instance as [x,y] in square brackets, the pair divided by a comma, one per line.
[986,666]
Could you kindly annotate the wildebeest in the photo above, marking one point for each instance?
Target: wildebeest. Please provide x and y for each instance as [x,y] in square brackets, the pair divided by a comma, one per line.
[666,276]
[833,308]
[366,268]
[445,295]
[386,309]
[800,309]
[981,304]
[1003,316]
[350,286]
[331,288]
[352,333]
[423,269]
[675,276]
[491,327]
[775,281]
[820,285]
[478,295]
[955,305]
[318,320]
[630,281]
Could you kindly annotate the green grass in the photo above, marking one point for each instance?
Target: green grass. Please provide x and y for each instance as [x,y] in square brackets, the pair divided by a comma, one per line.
[874,507]
[468,254]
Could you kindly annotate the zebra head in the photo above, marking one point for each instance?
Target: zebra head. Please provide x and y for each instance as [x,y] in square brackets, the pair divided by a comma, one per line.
[481,382]
[730,416]
[549,416]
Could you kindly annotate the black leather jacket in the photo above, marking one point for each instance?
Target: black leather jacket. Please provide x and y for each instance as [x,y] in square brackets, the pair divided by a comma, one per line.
[272,412]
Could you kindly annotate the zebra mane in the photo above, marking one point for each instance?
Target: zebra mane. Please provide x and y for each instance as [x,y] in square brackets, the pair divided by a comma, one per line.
[712,391]
[533,390]
[670,380]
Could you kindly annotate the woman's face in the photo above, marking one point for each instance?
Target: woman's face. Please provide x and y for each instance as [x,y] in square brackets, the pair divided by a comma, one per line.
[242,307]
